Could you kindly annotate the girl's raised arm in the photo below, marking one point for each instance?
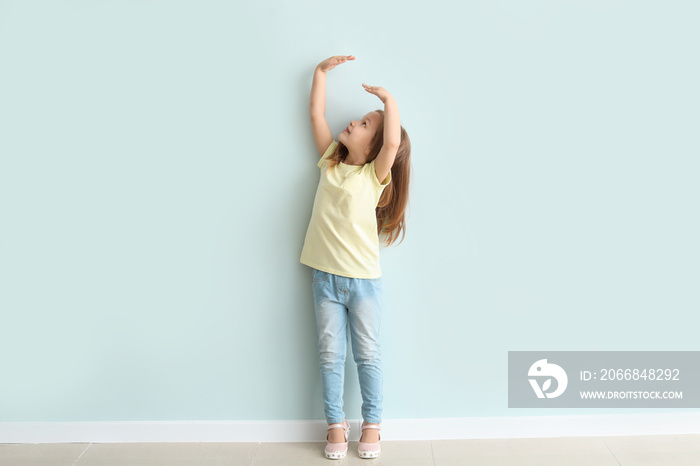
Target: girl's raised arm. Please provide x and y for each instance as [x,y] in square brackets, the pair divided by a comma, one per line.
[317,104]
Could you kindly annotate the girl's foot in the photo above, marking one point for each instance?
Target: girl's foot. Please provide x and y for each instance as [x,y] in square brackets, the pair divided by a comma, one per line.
[337,450]
[336,435]
[368,435]
[368,446]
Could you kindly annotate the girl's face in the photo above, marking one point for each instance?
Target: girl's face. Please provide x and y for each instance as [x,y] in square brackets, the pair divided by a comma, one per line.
[359,134]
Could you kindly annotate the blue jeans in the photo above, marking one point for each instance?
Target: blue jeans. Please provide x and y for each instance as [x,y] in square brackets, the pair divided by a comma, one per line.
[339,300]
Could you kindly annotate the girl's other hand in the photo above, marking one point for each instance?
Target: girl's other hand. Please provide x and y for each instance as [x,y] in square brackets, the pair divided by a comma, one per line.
[330,63]
[380,92]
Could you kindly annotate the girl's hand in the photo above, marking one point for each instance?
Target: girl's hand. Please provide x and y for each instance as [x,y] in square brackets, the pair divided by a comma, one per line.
[380,92]
[330,63]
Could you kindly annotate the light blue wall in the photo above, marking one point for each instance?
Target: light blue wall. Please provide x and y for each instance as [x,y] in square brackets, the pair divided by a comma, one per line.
[158,171]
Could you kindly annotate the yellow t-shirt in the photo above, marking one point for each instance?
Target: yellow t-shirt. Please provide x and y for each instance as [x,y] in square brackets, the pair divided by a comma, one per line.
[342,234]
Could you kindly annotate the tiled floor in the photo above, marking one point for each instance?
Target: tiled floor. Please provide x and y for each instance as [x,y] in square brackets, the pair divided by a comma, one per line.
[661,450]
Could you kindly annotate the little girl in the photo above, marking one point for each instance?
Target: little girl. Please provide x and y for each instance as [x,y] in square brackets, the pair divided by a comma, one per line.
[362,193]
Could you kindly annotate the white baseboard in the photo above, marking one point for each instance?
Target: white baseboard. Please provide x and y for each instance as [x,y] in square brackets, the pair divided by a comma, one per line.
[315,431]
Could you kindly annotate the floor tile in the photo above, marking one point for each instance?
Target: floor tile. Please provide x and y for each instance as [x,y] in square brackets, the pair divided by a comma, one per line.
[656,450]
[40,454]
[579,451]
[170,454]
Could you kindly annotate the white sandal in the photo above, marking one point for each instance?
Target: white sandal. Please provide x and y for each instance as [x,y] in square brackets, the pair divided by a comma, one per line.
[336,451]
[367,449]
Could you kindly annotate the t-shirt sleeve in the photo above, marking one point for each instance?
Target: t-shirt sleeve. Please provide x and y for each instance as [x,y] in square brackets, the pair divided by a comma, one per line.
[373,174]
[328,152]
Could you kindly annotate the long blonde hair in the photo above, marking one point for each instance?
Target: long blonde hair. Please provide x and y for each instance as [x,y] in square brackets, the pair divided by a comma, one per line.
[391,209]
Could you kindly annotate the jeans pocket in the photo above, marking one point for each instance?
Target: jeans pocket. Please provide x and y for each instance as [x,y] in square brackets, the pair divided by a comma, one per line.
[320,276]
